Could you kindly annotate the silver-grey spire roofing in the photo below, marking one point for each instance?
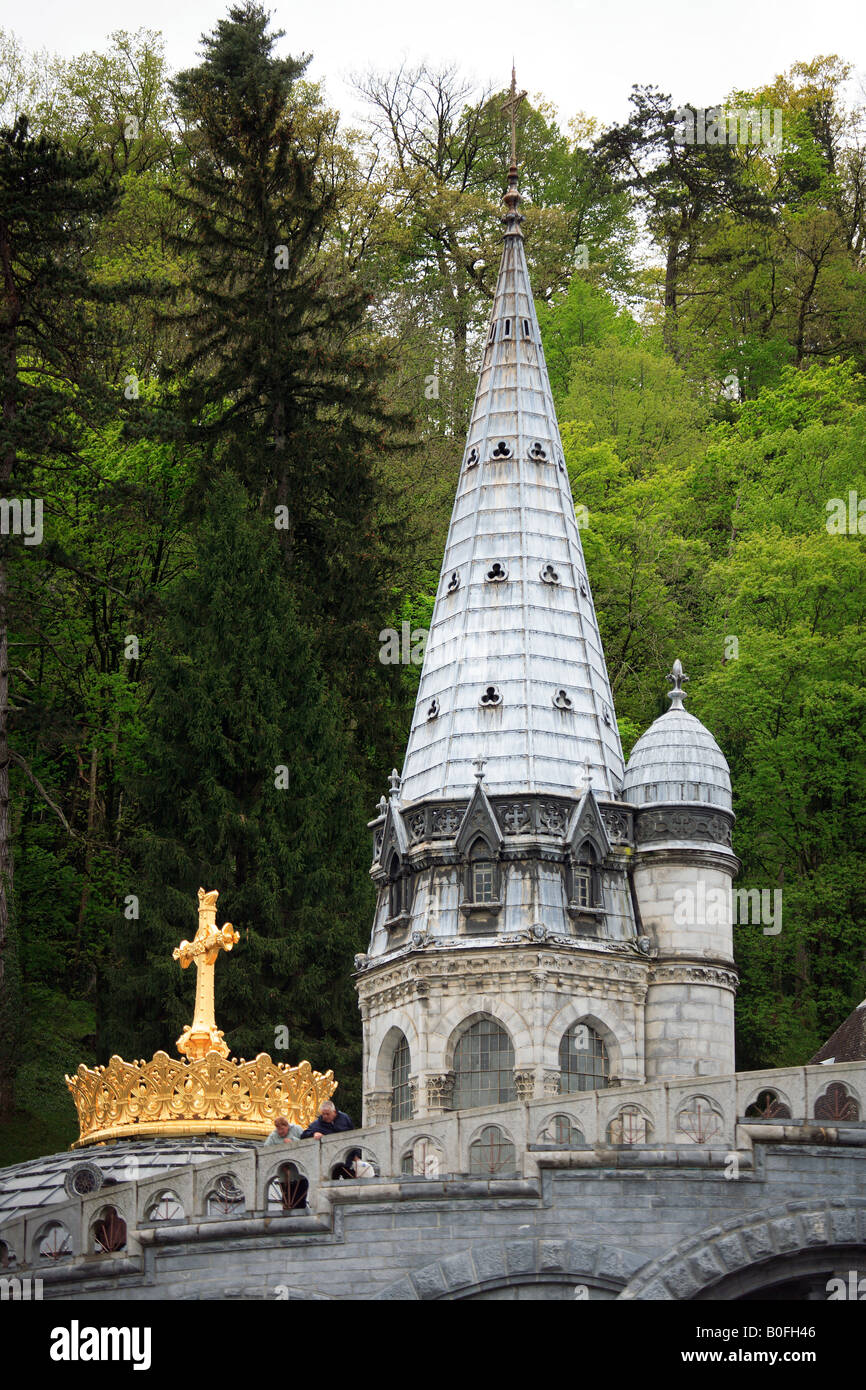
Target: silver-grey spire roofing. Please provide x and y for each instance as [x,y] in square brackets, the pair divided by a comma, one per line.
[514,669]
[677,759]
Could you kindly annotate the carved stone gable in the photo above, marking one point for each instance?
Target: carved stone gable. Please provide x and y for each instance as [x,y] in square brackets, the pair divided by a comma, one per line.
[480,819]
[587,822]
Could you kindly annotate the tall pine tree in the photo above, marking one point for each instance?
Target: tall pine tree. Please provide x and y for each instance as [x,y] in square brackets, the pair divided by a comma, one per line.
[51,201]
[281,383]
[245,789]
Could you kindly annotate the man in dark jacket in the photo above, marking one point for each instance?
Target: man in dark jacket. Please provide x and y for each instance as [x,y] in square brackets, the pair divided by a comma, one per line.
[330,1121]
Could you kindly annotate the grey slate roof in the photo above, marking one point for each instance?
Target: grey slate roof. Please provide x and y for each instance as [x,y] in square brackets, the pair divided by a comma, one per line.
[677,759]
[527,638]
[39,1182]
[848,1043]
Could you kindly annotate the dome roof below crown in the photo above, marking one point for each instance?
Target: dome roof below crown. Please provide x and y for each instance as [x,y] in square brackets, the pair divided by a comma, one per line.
[677,759]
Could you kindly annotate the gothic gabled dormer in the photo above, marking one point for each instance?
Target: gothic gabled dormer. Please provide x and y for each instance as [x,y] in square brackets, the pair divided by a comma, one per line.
[393,868]
[587,823]
[588,846]
[479,843]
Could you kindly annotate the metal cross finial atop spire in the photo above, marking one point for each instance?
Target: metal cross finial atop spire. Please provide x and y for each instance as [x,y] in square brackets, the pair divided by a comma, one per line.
[512,218]
[510,105]
[678,676]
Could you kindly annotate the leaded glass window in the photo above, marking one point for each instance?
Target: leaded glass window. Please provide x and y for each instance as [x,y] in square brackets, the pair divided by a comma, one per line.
[562,1130]
[586,891]
[629,1126]
[395,887]
[583,886]
[401,1096]
[583,1060]
[483,883]
[483,1066]
[492,1152]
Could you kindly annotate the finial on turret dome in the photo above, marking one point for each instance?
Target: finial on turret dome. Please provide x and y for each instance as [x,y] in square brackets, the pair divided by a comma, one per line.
[478,764]
[394,781]
[511,199]
[676,695]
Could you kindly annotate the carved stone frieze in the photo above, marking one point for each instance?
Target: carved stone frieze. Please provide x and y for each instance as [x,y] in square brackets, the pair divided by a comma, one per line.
[552,818]
[618,826]
[516,818]
[695,975]
[445,821]
[691,824]
[417,826]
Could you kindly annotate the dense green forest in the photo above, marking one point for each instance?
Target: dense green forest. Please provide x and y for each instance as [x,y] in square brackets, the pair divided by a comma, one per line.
[238,342]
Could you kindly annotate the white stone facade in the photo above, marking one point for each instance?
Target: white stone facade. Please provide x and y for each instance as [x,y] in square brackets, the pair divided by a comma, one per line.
[536,995]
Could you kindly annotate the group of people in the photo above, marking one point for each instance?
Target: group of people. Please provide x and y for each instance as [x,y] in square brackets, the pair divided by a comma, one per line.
[330,1121]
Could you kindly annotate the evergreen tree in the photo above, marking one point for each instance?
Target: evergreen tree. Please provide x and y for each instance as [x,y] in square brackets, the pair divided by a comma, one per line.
[281,379]
[245,789]
[50,201]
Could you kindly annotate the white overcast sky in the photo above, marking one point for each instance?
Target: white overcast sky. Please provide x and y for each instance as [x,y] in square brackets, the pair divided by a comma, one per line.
[581,55]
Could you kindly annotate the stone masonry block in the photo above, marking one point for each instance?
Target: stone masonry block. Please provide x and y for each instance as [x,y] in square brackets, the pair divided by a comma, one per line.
[458,1270]
[521,1256]
[430,1282]
[489,1260]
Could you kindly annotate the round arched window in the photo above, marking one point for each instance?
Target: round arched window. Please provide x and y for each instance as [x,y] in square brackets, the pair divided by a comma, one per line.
[583,1060]
[401,1096]
[483,1066]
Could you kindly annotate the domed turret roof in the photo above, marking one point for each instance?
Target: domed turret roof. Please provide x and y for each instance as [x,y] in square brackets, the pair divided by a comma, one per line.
[677,759]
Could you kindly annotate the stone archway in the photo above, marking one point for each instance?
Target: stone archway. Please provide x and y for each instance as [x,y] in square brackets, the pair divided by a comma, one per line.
[755,1253]
[539,1268]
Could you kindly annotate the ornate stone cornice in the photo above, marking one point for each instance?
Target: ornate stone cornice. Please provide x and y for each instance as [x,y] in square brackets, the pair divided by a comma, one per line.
[434,825]
[656,824]
[695,974]
[502,968]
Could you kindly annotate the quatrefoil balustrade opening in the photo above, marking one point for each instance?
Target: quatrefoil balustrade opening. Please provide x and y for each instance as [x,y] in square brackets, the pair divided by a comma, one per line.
[490,698]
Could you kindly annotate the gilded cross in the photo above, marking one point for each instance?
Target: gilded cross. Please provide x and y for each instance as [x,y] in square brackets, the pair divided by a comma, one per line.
[510,105]
[202,1035]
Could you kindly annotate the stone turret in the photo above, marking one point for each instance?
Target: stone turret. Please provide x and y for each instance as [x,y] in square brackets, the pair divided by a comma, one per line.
[678,782]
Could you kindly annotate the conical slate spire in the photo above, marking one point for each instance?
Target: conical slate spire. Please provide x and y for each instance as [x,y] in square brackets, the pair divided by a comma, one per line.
[514,670]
